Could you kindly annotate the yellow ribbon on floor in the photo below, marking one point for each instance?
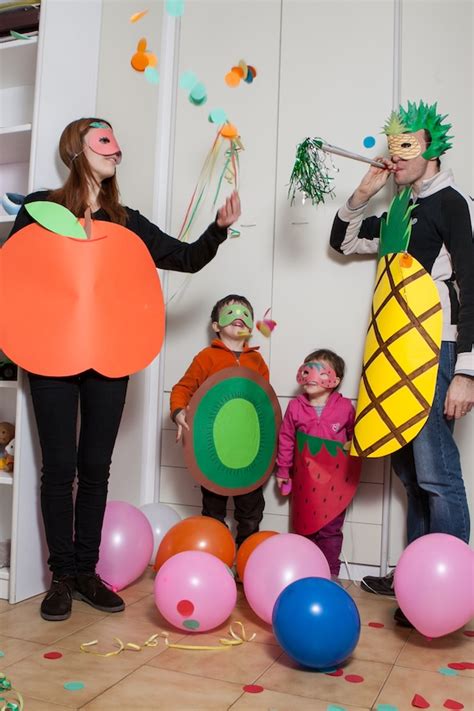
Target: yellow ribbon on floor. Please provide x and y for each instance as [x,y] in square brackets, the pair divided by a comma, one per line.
[224,643]
[153,641]
[150,642]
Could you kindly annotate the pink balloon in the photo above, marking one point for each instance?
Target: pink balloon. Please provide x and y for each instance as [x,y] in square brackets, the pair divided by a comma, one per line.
[126,545]
[277,562]
[195,591]
[434,584]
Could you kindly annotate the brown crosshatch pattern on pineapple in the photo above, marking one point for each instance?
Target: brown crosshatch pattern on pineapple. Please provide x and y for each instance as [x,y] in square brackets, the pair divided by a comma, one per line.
[406,379]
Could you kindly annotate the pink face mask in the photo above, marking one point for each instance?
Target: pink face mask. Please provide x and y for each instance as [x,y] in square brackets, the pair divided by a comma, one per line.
[315,373]
[101,140]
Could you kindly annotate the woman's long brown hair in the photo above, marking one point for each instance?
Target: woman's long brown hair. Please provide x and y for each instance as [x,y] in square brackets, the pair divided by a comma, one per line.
[74,194]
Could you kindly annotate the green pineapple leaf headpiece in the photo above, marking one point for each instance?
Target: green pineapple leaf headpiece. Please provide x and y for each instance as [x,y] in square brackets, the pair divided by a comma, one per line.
[421,116]
[394,126]
[395,229]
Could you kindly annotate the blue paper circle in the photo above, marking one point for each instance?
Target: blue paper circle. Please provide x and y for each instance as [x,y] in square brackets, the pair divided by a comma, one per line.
[369,142]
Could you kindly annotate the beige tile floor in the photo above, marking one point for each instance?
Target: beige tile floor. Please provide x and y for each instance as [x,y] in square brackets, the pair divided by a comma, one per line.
[395,663]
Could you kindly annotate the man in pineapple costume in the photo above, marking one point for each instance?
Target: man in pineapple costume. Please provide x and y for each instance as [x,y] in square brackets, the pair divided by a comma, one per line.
[441,240]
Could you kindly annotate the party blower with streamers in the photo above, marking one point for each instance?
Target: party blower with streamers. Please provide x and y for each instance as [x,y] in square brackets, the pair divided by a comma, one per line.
[311,174]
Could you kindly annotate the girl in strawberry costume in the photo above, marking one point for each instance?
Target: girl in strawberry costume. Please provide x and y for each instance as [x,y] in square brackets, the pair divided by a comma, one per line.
[312,460]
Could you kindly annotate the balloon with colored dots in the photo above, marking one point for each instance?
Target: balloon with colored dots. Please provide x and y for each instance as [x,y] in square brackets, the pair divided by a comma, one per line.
[242,72]
[266,325]
[195,591]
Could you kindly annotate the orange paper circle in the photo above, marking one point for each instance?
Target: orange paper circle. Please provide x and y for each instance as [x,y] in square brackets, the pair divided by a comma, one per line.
[152,59]
[248,547]
[197,533]
[232,79]
[76,304]
[229,131]
[139,61]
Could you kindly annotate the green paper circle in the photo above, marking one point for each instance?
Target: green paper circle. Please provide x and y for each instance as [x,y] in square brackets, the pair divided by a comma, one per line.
[236,422]
[234,419]
[191,624]
[74,685]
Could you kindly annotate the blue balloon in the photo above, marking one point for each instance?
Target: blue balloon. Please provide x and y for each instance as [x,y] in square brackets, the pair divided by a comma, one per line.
[316,622]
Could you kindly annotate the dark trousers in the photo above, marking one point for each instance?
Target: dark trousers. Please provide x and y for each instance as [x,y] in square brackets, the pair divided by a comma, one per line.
[329,540]
[248,510]
[73,532]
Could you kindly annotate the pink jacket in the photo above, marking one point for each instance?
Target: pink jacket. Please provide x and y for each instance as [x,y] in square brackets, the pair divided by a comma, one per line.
[336,422]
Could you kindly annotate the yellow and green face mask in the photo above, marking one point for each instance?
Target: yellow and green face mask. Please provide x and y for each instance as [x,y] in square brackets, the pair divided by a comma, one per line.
[234,312]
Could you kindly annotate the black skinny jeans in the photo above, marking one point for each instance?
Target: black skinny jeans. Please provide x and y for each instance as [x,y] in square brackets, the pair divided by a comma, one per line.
[73,533]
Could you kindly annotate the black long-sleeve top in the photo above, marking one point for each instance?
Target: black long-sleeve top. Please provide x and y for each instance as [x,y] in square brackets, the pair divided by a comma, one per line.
[167,252]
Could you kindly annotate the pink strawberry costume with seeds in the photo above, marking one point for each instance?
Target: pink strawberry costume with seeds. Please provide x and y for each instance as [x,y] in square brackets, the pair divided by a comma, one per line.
[323,476]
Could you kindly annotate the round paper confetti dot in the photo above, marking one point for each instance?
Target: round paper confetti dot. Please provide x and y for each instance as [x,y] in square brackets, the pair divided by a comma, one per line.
[197,102]
[217,116]
[469,633]
[332,707]
[447,672]
[376,624]
[386,707]
[419,702]
[452,704]
[185,608]
[336,672]
[175,8]
[232,79]
[461,665]
[198,92]
[2,654]
[354,678]
[74,685]
[369,142]
[191,624]
[187,80]
[253,688]
[151,75]
[52,655]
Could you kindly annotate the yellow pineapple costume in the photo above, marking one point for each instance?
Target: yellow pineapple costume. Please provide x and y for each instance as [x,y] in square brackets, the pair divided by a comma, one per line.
[402,346]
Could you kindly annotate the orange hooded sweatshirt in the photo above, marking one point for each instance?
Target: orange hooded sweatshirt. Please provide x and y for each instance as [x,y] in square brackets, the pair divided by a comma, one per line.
[209,361]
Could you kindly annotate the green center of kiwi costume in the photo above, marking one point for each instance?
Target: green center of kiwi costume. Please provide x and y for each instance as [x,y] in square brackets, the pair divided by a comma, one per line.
[234,418]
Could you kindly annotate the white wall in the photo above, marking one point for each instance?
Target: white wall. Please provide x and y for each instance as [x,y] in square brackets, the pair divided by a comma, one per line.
[325,67]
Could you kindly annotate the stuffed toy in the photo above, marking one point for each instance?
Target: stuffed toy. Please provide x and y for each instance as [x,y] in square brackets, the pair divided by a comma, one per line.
[10,455]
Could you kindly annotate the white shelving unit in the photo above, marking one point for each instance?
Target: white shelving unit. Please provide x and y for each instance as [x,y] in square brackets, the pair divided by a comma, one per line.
[45,82]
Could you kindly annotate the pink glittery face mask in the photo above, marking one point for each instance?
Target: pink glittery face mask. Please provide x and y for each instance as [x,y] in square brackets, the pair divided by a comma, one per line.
[101,140]
[316,373]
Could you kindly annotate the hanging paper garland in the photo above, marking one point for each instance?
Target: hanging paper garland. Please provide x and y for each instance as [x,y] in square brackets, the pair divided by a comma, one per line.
[242,72]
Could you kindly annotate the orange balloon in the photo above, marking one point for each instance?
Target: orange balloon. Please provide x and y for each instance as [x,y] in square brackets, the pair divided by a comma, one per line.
[248,547]
[197,533]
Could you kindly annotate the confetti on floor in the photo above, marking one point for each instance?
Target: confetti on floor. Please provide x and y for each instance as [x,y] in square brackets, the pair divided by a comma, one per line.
[354,678]
[336,672]
[420,702]
[461,665]
[452,704]
[52,655]
[447,671]
[376,624]
[469,633]
[253,688]
[74,685]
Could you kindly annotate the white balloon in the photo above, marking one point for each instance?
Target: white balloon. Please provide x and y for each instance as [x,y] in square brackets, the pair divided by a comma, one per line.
[161,518]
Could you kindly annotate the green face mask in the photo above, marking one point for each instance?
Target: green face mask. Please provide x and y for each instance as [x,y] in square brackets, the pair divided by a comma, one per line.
[232,312]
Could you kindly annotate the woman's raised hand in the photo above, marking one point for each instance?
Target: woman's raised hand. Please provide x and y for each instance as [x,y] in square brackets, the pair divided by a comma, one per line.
[230,211]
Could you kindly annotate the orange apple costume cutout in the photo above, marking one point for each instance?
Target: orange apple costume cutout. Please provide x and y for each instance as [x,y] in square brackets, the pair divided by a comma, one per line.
[76,304]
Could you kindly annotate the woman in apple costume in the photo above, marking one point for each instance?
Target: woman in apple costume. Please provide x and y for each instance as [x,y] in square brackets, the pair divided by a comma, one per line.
[85,311]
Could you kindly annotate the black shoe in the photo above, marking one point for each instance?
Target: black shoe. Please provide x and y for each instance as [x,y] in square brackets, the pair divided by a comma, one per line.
[401,620]
[91,589]
[379,586]
[57,603]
